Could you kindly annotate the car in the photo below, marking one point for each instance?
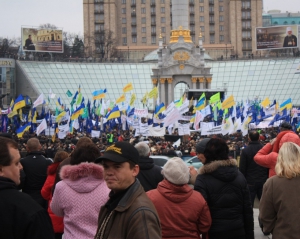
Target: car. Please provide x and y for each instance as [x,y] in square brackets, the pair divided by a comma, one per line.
[161,160]
[194,161]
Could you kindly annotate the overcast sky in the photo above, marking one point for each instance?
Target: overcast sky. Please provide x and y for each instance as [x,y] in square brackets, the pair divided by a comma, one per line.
[68,14]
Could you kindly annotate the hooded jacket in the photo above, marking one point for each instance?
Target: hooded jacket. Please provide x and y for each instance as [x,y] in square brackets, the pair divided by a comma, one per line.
[150,174]
[180,207]
[267,156]
[226,192]
[21,217]
[78,198]
[46,192]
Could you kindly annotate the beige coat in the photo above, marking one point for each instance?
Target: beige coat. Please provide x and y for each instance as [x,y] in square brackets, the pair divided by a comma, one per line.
[279,207]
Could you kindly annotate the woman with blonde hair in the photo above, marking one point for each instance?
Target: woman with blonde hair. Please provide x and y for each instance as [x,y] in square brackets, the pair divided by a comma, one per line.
[279,204]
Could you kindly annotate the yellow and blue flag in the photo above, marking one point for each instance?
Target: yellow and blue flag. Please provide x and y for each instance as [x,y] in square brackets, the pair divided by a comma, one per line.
[159,109]
[62,114]
[19,103]
[201,103]
[99,94]
[20,131]
[215,98]
[121,99]
[114,113]
[79,111]
[286,105]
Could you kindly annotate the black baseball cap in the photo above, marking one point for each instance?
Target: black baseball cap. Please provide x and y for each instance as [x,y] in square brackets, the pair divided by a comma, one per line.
[120,152]
[200,147]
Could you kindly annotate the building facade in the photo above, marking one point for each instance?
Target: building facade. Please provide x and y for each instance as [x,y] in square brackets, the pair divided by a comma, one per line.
[7,81]
[227,26]
[276,17]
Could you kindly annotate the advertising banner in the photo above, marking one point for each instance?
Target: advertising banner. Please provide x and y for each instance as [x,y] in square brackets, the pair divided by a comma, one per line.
[277,37]
[42,40]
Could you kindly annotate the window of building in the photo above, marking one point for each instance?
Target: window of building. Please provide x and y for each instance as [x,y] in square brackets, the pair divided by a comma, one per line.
[134,39]
[163,30]
[143,1]
[201,18]
[193,38]
[246,24]
[123,1]
[211,9]
[221,18]
[201,9]
[221,28]
[211,19]
[293,22]
[212,39]
[221,37]
[203,38]
[192,27]
[246,4]
[202,28]
[285,22]
[162,1]
[133,29]
[153,20]
[220,0]
[143,10]
[123,20]
[163,20]
[123,10]
[144,39]
[152,9]
[275,23]
[133,20]
[162,10]
[153,29]
[153,40]
[124,40]
[221,8]
[143,29]
[124,30]
[192,10]
[201,1]
[143,20]
[133,2]
[246,34]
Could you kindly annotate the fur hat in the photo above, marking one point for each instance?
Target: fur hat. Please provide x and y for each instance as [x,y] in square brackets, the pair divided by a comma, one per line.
[176,171]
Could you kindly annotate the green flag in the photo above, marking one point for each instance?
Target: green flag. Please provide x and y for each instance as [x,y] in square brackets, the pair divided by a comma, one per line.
[69,93]
[85,114]
[215,98]
[79,99]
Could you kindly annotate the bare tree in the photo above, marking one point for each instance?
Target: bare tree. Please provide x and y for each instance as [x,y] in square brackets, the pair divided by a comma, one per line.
[105,44]
[47,26]
[9,46]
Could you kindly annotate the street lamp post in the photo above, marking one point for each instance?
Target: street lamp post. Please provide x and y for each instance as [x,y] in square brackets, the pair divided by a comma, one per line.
[128,54]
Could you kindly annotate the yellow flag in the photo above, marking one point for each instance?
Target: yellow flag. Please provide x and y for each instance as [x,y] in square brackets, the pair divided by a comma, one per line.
[265,102]
[132,100]
[229,102]
[21,114]
[145,98]
[62,114]
[29,116]
[121,99]
[53,137]
[34,117]
[128,87]
[153,93]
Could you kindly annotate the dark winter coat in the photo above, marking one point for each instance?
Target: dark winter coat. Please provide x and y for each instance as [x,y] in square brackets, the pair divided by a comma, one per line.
[20,216]
[35,166]
[226,192]
[253,172]
[150,174]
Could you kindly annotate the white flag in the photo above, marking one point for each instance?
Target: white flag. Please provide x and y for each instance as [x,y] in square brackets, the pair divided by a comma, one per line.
[39,101]
[41,127]
[51,95]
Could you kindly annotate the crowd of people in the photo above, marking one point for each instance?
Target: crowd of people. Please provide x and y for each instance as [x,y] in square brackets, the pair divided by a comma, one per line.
[109,187]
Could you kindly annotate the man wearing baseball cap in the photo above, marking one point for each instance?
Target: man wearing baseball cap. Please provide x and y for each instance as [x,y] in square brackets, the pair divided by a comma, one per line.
[128,213]
[290,40]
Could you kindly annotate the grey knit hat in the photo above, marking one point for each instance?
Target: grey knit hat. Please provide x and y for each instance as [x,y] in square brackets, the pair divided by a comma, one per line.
[200,147]
[176,171]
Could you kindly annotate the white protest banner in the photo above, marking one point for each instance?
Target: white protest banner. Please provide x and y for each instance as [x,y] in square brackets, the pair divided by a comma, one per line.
[169,109]
[198,117]
[270,110]
[156,131]
[76,124]
[170,128]
[39,101]
[207,128]
[64,128]
[49,131]
[186,117]
[62,134]
[144,129]
[183,129]
[141,112]
[172,117]
[41,127]
[158,121]
[95,134]
[184,107]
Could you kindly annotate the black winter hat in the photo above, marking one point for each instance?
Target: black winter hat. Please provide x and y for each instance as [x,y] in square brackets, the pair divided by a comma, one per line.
[200,147]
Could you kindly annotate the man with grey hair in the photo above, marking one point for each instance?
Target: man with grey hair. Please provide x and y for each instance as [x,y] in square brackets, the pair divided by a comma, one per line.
[150,174]
[290,40]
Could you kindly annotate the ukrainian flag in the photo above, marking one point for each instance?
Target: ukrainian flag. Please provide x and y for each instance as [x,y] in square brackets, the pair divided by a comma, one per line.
[200,104]
[20,131]
[114,113]
[19,103]
[62,114]
[159,109]
[286,105]
[78,112]
[98,94]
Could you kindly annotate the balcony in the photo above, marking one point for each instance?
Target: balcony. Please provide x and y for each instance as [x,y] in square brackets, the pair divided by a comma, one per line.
[212,42]
[246,8]
[192,13]
[152,4]
[192,32]
[192,3]
[246,18]
[153,33]
[211,22]
[211,2]
[97,21]
[246,38]
[99,11]
[153,13]
[153,23]
[211,32]
[133,33]
[211,12]
[245,48]
[133,4]
[133,14]
[192,22]
[133,23]
[246,28]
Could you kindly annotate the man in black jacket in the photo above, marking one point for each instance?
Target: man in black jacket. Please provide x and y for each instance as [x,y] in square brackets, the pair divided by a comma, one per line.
[150,174]
[21,217]
[35,167]
[255,174]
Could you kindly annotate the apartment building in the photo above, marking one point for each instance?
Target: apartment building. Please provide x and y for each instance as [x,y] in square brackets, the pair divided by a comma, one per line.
[227,26]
